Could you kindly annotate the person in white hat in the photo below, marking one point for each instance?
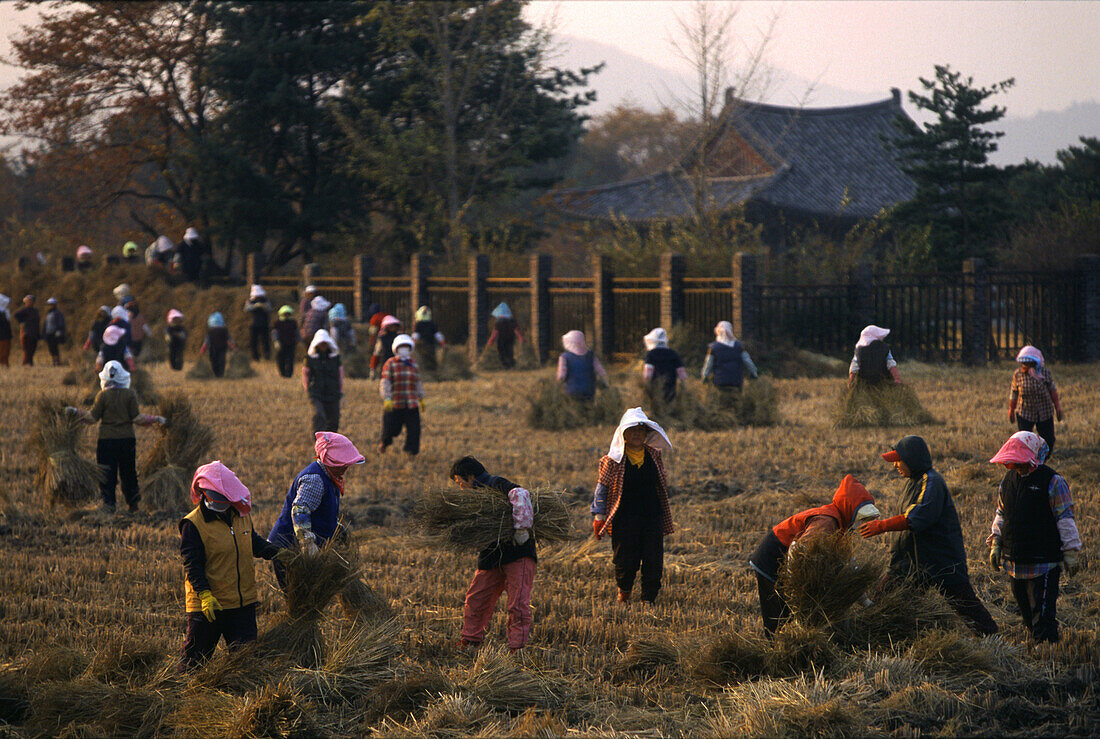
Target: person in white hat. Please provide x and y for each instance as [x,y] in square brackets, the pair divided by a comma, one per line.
[873,362]
[663,369]
[402,397]
[258,307]
[323,379]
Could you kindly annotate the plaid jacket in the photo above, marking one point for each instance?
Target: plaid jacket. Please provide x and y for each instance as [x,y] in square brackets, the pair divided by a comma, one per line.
[1034,393]
[401,383]
[609,490]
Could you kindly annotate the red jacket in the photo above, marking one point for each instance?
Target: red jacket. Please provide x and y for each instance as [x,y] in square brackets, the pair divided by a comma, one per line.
[847,499]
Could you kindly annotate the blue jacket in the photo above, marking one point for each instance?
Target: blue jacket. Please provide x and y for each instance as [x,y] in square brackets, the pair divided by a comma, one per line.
[323,519]
[580,374]
[728,370]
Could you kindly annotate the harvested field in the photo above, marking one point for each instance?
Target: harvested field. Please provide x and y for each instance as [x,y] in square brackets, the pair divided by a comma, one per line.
[92,619]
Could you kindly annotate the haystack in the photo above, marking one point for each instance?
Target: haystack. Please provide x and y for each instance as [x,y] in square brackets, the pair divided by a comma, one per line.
[710,409]
[184,441]
[452,363]
[552,409]
[475,519]
[239,367]
[884,404]
[822,578]
[356,364]
[63,475]
[201,369]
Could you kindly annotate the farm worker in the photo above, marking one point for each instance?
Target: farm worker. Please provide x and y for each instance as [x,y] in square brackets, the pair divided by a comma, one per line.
[95,333]
[852,505]
[30,329]
[402,397]
[930,546]
[192,252]
[507,566]
[315,319]
[53,330]
[427,336]
[116,410]
[389,329]
[323,379]
[83,258]
[873,361]
[160,253]
[5,330]
[258,307]
[113,348]
[285,332]
[312,506]
[308,295]
[130,252]
[631,503]
[1034,534]
[342,330]
[662,367]
[217,342]
[121,317]
[138,327]
[1033,399]
[375,314]
[121,291]
[727,361]
[175,334]
[578,367]
[218,543]
[505,334]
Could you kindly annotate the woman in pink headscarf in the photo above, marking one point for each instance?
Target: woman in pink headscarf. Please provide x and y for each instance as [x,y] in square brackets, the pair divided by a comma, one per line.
[218,544]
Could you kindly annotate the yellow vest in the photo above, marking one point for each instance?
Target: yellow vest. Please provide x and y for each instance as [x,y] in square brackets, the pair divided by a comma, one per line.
[228,561]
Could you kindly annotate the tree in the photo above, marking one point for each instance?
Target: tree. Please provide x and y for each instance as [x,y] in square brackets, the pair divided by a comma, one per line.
[959,194]
[629,142]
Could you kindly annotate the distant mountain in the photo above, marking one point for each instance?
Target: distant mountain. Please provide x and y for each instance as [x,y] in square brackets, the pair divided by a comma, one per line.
[1038,137]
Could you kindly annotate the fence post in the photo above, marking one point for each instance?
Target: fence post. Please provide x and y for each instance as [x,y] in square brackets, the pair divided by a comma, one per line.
[862,291]
[745,297]
[603,305]
[362,267]
[478,273]
[420,269]
[975,312]
[253,266]
[1088,306]
[672,289]
[310,271]
[541,308]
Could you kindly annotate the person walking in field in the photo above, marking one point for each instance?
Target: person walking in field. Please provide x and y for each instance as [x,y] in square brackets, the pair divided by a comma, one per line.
[175,334]
[113,348]
[285,332]
[578,367]
[217,343]
[116,410]
[505,334]
[930,546]
[1034,535]
[389,330]
[1033,399]
[873,362]
[139,330]
[663,369]
[30,329]
[507,566]
[323,379]
[428,338]
[311,510]
[5,330]
[402,397]
[342,330]
[727,362]
[84,258]
[218,544]
[851,506]
[258,307]
[53,330]
[95,333]
[631,503]
[306,303]
[315,318]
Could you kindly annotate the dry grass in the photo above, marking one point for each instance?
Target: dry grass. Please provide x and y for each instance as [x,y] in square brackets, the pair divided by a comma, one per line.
[498,679]
[809,706]
[166,472]
[63,476]
[239,366]
[822,578]
[201,369]
[475,519]
[356,364]
[552,409]
[706,408]
[884,404]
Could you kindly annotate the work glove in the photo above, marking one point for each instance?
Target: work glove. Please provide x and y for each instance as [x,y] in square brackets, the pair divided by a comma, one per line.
[879,526]
[597,525]
[161,420]
[210,604]
[1070,562]
[387,405]
[310,548]
[521,536]
[995,554]
[286,556]
[421,404]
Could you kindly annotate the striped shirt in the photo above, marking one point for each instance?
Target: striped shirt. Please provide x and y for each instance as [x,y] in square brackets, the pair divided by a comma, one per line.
[1061,504]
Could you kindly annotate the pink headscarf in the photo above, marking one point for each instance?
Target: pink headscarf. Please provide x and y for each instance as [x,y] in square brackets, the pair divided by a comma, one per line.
[112,334]
[219,478]
[336,450]
[173,314]
[574,342]
[390,321]
[1023,447]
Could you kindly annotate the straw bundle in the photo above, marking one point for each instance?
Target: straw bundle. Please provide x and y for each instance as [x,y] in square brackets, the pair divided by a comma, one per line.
[489,360]
[502,683]
[901,611]
[362,604]
[81,367]
[63,475]
[201,369]
[452,364]
[276,710]
[356,364]
[481,518]
[153,350]
[312,582]
[822,578]
[89,708]
[552,409]
[141,382]
[184,441]
[355,662]
[239,367]
[648,656]
[405,694]
[167,490]
[741,656]
[884,404]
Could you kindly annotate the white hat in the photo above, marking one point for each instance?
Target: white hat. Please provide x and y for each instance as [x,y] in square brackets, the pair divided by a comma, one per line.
[872,333]
[319,303]
[402,340]
[655,438]
[323,337]
[119,312]
[114,374]
[655,338]
[257,291]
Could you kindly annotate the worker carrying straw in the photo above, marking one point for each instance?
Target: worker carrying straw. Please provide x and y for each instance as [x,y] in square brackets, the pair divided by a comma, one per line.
[578,367]
[873,362]
[663,369]
[727,362]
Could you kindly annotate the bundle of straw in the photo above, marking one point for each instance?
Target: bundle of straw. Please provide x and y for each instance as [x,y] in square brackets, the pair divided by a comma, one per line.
[406,693]
[362,605]
[356,364]
[884,404]
[277,710]
[489,360]
[452,364]
[480,518]
[201,369]
[822,578]
[502,683]
[901,611]
[184,441]
[81,367]
[153,351]
[552,409]
[141,382]
[648,656]
[357,661]
[63,475]
[239,367]
[741,656]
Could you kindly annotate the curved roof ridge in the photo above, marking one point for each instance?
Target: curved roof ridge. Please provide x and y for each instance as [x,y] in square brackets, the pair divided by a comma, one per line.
[889,103]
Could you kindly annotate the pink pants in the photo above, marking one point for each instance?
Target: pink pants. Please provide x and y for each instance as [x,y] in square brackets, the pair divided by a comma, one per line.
[515,577]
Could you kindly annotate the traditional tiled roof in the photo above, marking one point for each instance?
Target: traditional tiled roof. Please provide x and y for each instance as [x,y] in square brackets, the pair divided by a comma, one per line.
[823,162]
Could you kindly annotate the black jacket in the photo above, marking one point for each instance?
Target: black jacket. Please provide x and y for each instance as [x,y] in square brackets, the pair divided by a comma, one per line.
[932,548]
[324,378]
[504,552]
[1030,533]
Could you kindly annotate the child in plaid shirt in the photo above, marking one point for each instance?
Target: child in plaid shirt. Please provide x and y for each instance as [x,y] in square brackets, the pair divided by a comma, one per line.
[1033,401]
[402,397]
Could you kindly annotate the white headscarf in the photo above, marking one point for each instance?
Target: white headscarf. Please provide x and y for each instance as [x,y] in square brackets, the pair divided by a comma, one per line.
[114,375]
[323,337]
[723,332]
[403,340]
[655,338]
[119,312]
[257,291]
[574,342]
[319,303]
[5,301]
[121,291]
[872,333]
[190,234]
[655,438]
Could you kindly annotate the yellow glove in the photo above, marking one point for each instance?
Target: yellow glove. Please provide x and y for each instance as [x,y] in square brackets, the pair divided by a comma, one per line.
[995,554]
[387,405]
[1070,563]
[210,604]
[421,403]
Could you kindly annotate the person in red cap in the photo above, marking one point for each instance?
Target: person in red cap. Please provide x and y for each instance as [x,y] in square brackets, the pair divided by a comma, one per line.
[851,506]
[1034,534]
[218,543]
[311,510]
[930,547]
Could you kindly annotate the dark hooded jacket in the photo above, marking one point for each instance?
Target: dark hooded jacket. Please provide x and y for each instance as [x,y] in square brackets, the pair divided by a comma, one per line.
[932,548]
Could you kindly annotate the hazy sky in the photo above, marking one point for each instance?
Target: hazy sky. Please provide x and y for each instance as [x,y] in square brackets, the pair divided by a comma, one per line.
[869,47]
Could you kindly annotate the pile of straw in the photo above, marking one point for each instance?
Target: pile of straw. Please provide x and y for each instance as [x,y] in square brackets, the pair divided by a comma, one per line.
[357,661]
[649,656]
[884,404]
[524,353]
[405,694]
[80,368]
[741,656]
[480,518]
[552,409]
[63,475]
[184,442]
[451,364]
[901,611]
[141,382]
[823,578]
[153,350]
[361,604]
[239,367]
[498,680]
[356,364]
[201,369]
[711,409]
